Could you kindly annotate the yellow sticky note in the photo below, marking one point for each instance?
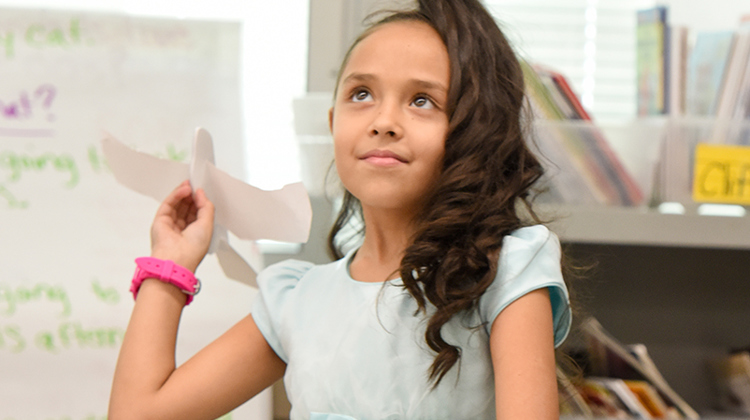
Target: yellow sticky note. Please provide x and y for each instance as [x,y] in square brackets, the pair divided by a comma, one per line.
[721,174]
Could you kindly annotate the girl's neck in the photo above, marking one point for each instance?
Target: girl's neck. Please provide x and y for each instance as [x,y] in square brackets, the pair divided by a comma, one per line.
[387,234]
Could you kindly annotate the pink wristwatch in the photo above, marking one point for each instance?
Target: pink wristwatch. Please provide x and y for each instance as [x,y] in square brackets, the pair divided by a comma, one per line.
[166,271]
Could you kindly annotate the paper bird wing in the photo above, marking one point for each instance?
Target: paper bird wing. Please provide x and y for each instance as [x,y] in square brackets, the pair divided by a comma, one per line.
[155,177]
[251,213]
[247,211]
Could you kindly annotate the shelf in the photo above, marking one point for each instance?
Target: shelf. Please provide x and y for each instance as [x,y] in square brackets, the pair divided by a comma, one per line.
[646,227]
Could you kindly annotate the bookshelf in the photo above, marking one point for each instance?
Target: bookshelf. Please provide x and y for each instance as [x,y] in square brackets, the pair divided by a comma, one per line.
[659,282]
[674,282]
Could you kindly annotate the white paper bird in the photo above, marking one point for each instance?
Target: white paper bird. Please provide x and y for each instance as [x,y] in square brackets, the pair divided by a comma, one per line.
[248,212]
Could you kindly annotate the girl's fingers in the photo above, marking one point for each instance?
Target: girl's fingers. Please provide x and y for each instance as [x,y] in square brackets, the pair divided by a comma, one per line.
[183,227]
[182,211]
[203,204]
[205,208]
[175,197]
[192,213]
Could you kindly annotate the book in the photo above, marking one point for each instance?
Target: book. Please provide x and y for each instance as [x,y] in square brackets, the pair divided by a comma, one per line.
[558,97]
[640,352]
[742,105]
[571,401]
[574,143]
[732,375]
[563,94]
[601,401]
[740,133]
[651,66]
[567,167]
[737,66]
[726,129]
[651,400]
[676,56]
[707,67]
[621,185]
[610,358]
[630,401]
[562,84]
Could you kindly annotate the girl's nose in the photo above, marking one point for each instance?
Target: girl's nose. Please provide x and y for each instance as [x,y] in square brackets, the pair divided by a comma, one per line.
[387,122]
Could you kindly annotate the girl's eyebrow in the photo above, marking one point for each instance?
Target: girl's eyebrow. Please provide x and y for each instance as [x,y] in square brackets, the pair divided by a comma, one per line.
[428,85]
[424,84]
[359,77]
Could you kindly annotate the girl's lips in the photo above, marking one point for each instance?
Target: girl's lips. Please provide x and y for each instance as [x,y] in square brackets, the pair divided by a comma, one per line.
[383,158]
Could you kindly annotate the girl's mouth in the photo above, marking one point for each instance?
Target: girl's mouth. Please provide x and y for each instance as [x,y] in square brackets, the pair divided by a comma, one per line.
[383,158]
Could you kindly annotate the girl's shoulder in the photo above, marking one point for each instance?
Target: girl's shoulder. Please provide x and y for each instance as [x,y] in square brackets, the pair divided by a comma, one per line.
[534,235]
[288,274]
[289,270]
[530,259]
[526,244]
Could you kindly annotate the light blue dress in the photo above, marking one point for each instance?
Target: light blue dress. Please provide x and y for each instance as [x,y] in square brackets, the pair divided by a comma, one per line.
[355,350]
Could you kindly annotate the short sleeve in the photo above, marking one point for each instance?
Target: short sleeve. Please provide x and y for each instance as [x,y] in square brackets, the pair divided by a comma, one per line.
[529,260]
[276,286]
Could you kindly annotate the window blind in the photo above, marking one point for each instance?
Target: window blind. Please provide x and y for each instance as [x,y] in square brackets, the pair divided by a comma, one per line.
[592,42]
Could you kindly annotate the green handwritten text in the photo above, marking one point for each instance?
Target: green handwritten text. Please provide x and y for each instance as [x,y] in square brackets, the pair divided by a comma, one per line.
[11,338]
[7,44]
[63,35]
[74,335]
[105,294]
[13,202]
[16,164]
[38,35]
[96,160]
[11,298]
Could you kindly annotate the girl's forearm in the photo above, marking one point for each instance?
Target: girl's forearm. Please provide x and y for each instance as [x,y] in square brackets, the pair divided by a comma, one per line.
[147,355]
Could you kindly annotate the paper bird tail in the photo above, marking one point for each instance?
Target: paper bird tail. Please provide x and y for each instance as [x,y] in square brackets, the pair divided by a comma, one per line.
[234,266]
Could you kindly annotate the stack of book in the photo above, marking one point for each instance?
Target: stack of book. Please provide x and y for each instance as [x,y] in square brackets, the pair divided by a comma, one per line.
[710,80]
[704,89]
[718,75]
[621,381]
[583,169]
[661,60]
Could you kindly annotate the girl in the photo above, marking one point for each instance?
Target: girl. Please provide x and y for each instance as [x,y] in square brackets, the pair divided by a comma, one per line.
[453,303]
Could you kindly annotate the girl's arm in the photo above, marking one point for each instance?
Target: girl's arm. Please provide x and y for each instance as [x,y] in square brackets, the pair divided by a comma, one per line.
[236,366]
[523,359]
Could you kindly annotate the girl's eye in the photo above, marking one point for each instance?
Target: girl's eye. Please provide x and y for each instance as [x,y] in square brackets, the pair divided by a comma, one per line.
[422,102]
[361,96]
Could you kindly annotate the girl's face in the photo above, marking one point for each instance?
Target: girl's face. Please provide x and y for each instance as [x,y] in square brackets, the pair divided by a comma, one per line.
[388,121]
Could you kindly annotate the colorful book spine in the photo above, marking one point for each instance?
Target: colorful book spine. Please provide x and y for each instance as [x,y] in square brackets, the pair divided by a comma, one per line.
[706,73]
[583,144]
[651,66]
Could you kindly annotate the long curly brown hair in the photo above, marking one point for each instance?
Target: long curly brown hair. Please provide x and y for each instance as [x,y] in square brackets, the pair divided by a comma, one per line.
[488,170]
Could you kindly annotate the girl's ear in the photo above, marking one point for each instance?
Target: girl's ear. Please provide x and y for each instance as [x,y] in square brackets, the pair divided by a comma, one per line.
[330,120]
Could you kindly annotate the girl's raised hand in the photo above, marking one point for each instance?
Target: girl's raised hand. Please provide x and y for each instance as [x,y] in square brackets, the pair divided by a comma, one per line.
[183,227]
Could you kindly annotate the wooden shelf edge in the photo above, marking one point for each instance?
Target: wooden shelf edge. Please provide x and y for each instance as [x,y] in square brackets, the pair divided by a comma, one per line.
[645,227]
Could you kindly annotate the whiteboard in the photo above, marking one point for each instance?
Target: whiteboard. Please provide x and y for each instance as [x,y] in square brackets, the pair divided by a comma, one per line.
[68,232]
